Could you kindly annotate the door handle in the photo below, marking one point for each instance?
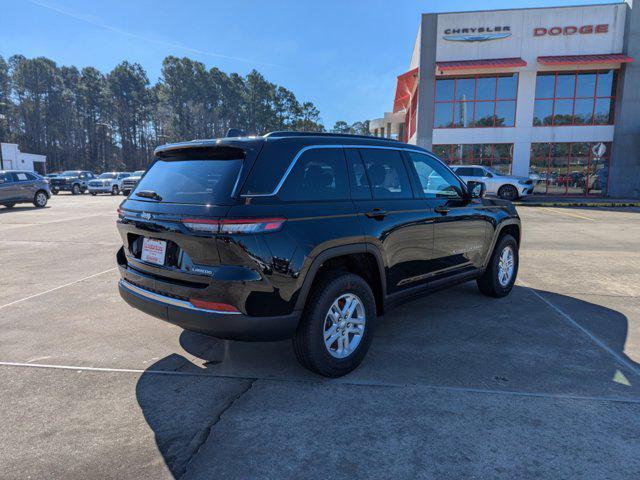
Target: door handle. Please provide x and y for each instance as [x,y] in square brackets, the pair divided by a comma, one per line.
[376,213]
[441,209]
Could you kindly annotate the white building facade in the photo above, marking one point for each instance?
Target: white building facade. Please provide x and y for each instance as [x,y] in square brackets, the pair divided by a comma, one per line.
[14,159]
[549,93]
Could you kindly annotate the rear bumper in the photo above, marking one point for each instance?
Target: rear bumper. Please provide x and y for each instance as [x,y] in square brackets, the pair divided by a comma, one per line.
[232,326]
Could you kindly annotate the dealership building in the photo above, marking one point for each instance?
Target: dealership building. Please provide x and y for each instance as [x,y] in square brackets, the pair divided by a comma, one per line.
[550,93]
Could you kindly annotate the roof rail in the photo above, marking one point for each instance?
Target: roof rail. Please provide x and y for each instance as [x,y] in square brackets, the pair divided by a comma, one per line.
[284,133]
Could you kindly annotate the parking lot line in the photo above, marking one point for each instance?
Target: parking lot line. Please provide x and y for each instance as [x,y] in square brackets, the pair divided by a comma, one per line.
[56,288]
[560,212]
[586,332]
[339,381]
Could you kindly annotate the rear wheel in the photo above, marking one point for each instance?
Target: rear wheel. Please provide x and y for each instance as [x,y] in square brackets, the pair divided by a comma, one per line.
[114,190]
[336,329]
[9,205]
[508,192]
[75,190]
[55,191]
[40,199]
[93,193]
[500,275]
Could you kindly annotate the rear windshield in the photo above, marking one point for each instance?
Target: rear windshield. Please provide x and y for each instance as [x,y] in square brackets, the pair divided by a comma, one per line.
[202,182]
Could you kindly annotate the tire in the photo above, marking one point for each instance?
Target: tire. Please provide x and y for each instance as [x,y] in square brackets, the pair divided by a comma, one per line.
[55,191]
[9,205]
[308,341]
[75,190]
[126,192]
[115,190]
[508,192]
[93,194]
[492,283]
[40,199]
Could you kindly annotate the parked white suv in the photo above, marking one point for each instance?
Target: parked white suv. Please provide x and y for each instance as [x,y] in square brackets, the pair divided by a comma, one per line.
[508,187]
[108,182]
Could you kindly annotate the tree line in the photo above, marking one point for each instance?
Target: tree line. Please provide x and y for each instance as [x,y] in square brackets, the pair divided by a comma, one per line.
[83,118]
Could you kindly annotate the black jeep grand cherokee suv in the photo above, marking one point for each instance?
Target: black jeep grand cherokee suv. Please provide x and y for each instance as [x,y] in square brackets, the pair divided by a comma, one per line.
[310,236]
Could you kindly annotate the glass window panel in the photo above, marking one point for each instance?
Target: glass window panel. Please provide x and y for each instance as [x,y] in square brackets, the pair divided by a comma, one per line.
[544,85]
[465,89]
[583,111]
[542,114]
[463,115]
[606,83]
[486,89]
[577,176]
[436,180]
[442,151]
[580,149]
[508,87]
[604,111]
[565,85]
[539,150]
[586,85]
[443,116]
[444,90]
[505,113]
[562,112]
[484,114]
[557,175]
[538,168]
[559,150]
[458,155]
[599,168]
[386,173]
[318,175]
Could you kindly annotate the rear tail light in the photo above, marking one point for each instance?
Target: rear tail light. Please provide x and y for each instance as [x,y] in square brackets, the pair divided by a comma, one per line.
[216,306]
[234,226]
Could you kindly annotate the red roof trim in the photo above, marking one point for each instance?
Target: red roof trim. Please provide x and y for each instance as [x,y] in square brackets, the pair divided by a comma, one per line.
[488,63]
[404,89]
[584,59]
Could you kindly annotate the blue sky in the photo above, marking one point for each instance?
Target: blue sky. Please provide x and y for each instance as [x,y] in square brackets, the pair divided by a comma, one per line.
[341,55]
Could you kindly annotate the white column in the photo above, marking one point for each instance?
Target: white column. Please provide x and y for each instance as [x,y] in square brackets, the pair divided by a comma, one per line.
[524,122]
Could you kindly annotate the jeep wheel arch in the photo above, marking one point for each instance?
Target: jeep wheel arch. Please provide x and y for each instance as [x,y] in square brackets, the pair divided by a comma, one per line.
[338,254]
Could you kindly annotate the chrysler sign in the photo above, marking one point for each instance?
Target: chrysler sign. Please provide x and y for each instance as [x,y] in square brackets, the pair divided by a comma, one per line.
[476,34]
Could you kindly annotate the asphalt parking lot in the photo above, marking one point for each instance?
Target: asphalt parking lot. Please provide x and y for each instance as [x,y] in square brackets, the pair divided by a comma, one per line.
[544,383]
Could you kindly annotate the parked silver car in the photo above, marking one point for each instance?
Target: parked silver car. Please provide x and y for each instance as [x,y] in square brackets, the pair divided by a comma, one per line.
[130,183]
[108,182]
[508,187]
[21,186]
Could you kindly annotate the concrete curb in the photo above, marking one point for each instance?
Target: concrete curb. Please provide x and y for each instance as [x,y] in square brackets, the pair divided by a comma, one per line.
[578,204]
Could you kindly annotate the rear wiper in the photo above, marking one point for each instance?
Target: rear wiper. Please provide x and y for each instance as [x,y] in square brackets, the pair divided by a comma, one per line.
[149,194]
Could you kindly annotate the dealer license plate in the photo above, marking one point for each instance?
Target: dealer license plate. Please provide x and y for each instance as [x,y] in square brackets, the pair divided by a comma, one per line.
[153,251]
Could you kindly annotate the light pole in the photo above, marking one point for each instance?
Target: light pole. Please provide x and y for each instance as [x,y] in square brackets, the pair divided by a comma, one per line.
[104,146]
[2,117]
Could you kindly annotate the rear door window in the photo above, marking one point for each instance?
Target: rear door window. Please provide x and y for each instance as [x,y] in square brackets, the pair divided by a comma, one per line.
[360,188]
[386,173]
[186,181]
[319,174]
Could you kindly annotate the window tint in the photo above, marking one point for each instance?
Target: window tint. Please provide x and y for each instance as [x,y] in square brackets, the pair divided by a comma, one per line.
[5,178]
[191,181]
[360,189]
[435,179]
[465,171]
[32,176]
[386,173]
[319,174]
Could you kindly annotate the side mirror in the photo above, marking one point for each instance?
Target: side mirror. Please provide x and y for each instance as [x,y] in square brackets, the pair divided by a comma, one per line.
[476,189]
[488,174]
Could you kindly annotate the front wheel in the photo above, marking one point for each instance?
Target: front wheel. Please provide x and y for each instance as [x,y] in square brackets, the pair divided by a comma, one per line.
[114,190]
[75,190]
[55,191]
[508,192]
[40,199]
[336,329]
[500,275]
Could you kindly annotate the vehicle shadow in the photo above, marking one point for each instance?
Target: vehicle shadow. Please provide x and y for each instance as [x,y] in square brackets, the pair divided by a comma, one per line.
[457,339]
[25,207]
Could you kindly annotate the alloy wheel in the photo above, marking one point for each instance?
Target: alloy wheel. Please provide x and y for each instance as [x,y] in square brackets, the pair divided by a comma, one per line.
[344,325]
[506,265]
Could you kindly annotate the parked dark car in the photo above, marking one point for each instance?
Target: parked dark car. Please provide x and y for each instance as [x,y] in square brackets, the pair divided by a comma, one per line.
[21,186]
[310,236]
[74,181]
